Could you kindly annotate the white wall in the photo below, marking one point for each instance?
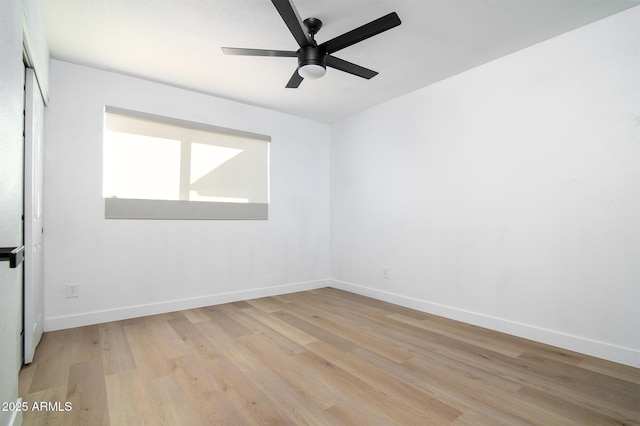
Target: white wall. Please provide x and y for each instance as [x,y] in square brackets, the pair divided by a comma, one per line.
[127,268]
[507,196]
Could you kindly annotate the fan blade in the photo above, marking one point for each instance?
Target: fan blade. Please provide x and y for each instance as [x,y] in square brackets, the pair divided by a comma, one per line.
[362,33]
[290,16]
[349,67]
[258,52]
[295,80]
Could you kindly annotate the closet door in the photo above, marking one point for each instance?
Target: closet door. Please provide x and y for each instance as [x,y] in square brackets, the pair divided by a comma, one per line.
[33,216]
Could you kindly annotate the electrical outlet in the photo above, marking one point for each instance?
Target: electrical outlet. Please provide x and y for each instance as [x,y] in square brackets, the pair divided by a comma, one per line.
[385,272]
[73,290]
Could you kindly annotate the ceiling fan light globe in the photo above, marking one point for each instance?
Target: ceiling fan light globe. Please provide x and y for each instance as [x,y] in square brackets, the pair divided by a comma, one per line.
[312,71]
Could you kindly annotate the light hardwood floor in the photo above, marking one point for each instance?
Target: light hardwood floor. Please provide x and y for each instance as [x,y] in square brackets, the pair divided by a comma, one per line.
[320,357]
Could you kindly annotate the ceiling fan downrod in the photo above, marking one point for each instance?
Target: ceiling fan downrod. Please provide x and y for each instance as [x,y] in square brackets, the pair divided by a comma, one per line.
[313,26]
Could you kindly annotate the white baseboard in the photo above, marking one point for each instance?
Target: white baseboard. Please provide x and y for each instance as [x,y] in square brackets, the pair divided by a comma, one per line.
[16,416]
[579,344]
[127,312]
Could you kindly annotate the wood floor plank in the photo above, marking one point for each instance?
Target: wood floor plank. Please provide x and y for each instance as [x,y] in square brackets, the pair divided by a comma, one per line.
[227,324]
[267,304]
[394,397]
[203,393]
[196,315]
[611,369]
[257,327]
[167,403]
[456,333]
[127,399]
[335,325]
[348,412]
[152,361]
[472,410]
[115,350]
[344,301]
[282,327]
[606,394]
[225,383]
[482,392]
[578,414]
[366,403]
[292,404]
[26,377]
[52,361]
[241,390]
[87,393]
[520,371]
[45,417]
[85,344]
[617,392]
[284,364]
[317,332]
[319,357]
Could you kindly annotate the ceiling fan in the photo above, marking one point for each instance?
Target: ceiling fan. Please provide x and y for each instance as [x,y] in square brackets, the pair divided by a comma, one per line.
[313,58]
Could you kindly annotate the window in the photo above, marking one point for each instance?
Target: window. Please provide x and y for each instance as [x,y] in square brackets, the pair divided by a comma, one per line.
[163,168]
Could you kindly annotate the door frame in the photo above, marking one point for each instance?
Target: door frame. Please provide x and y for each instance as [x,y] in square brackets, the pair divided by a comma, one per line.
[30,61]
[33,227]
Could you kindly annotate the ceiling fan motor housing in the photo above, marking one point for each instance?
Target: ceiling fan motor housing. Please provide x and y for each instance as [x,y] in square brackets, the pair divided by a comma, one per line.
[312,55]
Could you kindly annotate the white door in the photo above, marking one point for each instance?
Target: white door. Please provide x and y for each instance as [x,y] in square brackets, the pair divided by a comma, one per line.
[33,225]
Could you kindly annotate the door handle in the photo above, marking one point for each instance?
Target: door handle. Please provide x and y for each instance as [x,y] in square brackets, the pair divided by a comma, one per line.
[15,255]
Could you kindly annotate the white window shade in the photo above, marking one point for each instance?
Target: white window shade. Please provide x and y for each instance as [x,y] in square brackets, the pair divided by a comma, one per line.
[163,168]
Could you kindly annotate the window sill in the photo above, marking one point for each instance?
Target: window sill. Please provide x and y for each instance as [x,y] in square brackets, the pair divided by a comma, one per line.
[120,208]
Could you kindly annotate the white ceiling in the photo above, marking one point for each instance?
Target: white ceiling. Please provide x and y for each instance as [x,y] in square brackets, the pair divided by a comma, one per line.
[178,42]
